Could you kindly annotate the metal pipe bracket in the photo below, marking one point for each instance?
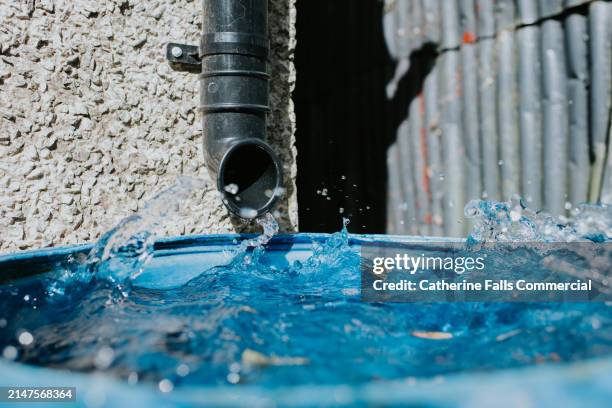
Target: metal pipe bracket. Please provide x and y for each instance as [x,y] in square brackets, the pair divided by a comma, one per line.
[184,58]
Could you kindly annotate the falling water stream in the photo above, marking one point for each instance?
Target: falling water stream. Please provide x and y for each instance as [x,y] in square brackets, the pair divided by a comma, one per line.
[252,321]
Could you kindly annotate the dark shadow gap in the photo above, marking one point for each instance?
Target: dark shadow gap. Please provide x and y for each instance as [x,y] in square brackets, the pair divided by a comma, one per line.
[344,121]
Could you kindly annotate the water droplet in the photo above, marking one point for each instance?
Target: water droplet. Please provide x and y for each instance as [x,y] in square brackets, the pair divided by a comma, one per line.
[500,163]
[442,177]
[133,378]
[182,370]
[233,378]
[26,298]
[343,177]
[104,358]
[248,213]
[568,205]
[324,192]
[235,367]
[232,188]
[9,353]
[166,385]
[341,210]
[596,323]
[25,338]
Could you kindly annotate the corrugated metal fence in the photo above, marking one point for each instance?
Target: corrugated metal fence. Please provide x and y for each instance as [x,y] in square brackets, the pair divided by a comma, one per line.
[518,101]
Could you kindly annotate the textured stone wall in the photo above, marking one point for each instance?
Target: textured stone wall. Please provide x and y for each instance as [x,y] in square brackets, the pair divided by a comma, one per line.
[93,121]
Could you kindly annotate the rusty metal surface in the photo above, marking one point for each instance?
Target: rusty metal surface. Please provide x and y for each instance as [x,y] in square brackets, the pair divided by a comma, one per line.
[518,102]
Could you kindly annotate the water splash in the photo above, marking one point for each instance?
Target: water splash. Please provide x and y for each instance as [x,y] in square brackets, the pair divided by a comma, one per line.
[330,252]
[271,325]
[250,250]
[270,228]
[513,221]
[122,253]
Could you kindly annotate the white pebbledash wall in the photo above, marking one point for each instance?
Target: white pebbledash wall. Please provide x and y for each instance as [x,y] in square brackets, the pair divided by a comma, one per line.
[93,121]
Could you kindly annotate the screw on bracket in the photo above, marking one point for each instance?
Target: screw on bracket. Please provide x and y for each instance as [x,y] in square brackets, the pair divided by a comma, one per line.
[182,57]
[177,52]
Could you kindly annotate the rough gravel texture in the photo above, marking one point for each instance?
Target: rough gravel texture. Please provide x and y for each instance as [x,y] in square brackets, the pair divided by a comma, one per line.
[93,122]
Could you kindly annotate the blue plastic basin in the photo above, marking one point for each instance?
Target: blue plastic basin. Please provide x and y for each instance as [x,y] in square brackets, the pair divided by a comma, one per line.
[178,261]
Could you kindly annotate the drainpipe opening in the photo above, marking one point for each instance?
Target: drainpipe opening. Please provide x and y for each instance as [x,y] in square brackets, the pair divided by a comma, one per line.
[250,178]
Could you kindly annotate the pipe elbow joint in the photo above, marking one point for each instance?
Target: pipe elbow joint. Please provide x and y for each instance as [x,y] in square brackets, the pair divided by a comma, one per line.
[234,101]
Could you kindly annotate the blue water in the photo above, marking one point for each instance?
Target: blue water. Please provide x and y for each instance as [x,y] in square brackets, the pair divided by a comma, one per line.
[263,319]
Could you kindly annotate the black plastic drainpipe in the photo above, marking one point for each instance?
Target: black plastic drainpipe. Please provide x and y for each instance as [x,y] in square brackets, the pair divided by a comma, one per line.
[232,61]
